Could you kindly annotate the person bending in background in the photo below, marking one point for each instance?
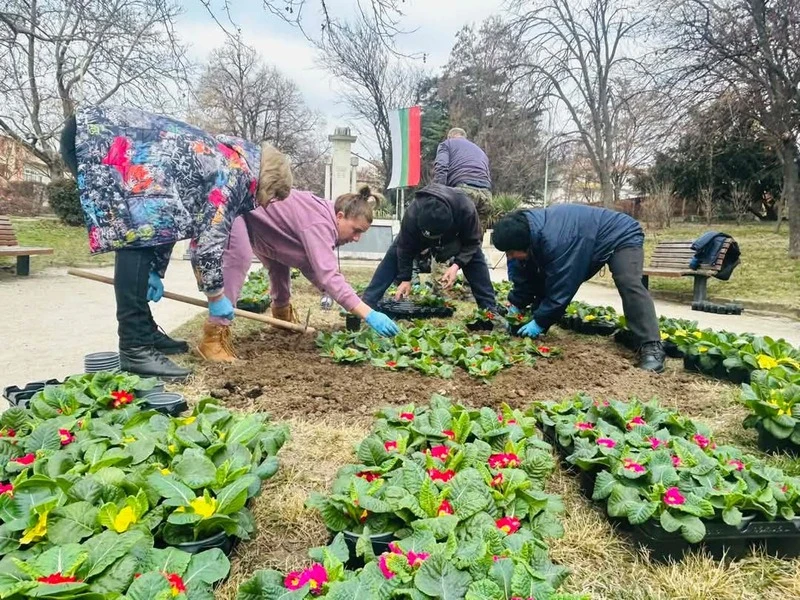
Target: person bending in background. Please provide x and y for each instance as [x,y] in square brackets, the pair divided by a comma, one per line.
[552,251]
[444,221]
[147,181]
[303,232]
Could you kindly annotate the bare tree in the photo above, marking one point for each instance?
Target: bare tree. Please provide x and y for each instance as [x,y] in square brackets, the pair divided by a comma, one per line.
[55,54]
[707,203]
[579,49]
[750,47]
[658,205]
[376,81]
[740,201]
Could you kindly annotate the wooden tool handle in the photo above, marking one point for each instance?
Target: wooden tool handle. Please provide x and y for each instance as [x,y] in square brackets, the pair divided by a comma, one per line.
[202,303]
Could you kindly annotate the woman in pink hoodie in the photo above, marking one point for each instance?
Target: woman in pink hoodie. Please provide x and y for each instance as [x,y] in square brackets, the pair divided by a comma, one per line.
[303,233]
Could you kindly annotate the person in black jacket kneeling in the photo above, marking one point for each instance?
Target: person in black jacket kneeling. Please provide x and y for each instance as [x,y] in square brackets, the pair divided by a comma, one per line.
[444,220]
[552,251]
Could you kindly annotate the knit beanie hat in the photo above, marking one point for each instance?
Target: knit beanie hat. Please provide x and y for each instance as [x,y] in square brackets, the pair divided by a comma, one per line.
[512,233]
[434,216]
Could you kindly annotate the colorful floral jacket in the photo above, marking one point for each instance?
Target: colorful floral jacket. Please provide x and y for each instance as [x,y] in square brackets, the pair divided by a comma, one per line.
[148,180]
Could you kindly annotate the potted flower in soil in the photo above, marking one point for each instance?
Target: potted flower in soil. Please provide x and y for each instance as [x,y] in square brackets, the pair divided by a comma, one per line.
[482,320]
[773,397]
[254,296]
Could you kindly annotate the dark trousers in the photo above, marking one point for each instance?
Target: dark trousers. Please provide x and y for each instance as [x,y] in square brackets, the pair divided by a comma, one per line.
[135,322]
[476,272]
[626,267]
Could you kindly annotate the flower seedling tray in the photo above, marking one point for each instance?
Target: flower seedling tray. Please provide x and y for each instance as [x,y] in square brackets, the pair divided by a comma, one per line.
[255,307]
[769,443]
[380,544]
[406,309]
[352,323]
[482,325]
[691,362]
[20,396]
[220,540]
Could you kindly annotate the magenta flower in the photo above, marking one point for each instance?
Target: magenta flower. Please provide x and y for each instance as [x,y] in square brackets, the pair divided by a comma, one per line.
[443,476]
[406,416]
[739,465]
[632,465]
[656,443]
[636,421]
[315,576]
[584,426]
[415,559]
[440,452]
[701,440]
[673,497]
[676,461]
[383,565]
[606,442]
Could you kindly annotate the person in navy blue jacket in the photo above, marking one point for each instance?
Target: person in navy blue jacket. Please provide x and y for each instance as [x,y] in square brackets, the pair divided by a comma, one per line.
[552,251]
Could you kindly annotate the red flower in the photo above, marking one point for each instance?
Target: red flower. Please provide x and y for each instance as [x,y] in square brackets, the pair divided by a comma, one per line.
[66,437]
[451,435]
[544,349]
[8,433]
[503,461]
[445,508]
[121,398]
[406,416]
[440,452]
[488,349]
[390,445]
[415,559]
[508,525]
[443,476]
[368,475]
[176,583]
[497,480]
[490,315]
[636,421]
[391,364]
[6,488]
[416,349]
[57,578]
[25,460]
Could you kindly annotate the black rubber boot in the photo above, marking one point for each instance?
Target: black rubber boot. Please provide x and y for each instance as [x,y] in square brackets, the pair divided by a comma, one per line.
[165,344]
[149,362]
[652,357]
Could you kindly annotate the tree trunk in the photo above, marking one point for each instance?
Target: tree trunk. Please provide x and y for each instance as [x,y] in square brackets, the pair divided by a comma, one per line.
[607,190]
[791,196]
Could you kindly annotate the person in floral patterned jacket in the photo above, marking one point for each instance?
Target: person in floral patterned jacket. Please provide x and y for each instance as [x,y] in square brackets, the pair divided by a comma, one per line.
[147,181]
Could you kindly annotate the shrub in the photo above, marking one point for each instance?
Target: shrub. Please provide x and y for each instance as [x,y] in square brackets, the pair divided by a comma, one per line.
[65,201]
[22,199]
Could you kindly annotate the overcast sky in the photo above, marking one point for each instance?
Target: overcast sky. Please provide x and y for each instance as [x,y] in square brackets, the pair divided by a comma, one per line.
[433,23]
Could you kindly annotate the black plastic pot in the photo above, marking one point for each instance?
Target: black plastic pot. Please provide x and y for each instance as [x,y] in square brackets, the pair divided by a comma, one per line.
[352,323]
[157,389]
[777,538]
[672,350]
[691,362]
[769,443]
[380,544]
[255,307]
[596,327]
[625,338]
[570,322]
[20,396]
[168,403]
[220,540]
[482,325]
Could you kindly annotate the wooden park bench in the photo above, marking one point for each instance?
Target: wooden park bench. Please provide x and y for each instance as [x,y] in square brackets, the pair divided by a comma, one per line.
[10,247]
[671,259]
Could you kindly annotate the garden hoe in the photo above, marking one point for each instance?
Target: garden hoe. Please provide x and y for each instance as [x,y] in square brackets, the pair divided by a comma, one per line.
[204,304]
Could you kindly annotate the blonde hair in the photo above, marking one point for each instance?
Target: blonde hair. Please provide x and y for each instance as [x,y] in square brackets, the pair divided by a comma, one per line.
[354,206]
[456,132]
[274,176]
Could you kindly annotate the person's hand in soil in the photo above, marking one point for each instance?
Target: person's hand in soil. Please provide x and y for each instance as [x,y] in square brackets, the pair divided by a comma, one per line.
[382,324]
[449,277]
[531,330]
[403,290]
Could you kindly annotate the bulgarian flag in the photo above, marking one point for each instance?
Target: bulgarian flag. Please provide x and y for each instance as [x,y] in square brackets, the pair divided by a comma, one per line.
[404,126]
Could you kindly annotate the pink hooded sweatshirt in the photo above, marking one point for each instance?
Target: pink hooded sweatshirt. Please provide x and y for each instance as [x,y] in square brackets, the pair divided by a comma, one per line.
[298,232]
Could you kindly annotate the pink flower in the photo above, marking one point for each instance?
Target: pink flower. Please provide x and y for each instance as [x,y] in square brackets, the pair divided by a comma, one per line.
[66,437]
[383,565]
[701,441]
[508,525]
[606,442]
[676,461]
[632,465]
[656,443]
[584,426]
[739,465]
[7,488]
[443,476]
[216,197]
[445,508]
[440,452]
[25,460]
[636,421]
[368,476]
[503,461]
[315,576]
[451,435]
[406,416]
[390,445]
[673,497]
[497,480]
[416,559]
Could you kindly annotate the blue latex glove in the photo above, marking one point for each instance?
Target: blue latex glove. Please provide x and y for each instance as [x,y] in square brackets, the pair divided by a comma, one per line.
[513,310]
[382,324]
[221,307]
[532,329]
[155,288]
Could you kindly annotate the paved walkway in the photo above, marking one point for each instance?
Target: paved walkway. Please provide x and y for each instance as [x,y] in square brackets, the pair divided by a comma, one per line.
[51,320]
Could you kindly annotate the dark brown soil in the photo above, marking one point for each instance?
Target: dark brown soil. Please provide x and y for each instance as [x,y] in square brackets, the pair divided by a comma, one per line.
[285,375]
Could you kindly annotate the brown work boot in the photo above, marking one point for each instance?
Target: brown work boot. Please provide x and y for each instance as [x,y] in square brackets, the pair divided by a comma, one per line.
[216,345]
[285,313]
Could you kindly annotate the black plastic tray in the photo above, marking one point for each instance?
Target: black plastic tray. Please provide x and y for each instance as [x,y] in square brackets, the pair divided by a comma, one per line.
[255,307]
[769,443]
[17,396]
[737,376]
[406,309]
[483,325]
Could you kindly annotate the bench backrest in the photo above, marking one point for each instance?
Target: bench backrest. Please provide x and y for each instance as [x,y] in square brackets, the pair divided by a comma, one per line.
[7,237]
[678,255]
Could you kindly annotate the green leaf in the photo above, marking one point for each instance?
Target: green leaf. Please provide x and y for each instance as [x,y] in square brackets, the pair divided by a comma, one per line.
[72,523]
[244,430]
[149,586]
[603,485]
[62,559]
[732,516]
[371,452]
[195,469]
[267,468]
[167,560]
[141,449]
[232,497]
[641,512]
[485,589]
[668,522]
[169,487]
[268,585]
[438,578]
[44,437]
[692,528]
[209,567]
[108,546]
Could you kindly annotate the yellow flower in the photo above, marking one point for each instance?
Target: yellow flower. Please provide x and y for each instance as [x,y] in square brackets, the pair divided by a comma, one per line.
[664,335]
[681,332]
[786,360]
[172,448]
[702,349]
[129,440]
[165,471]
[37,532]
[766,362]
[222,435]
[589,318]
[784,411]
[698,334]
[204,507]
[124,519]
[187,420]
